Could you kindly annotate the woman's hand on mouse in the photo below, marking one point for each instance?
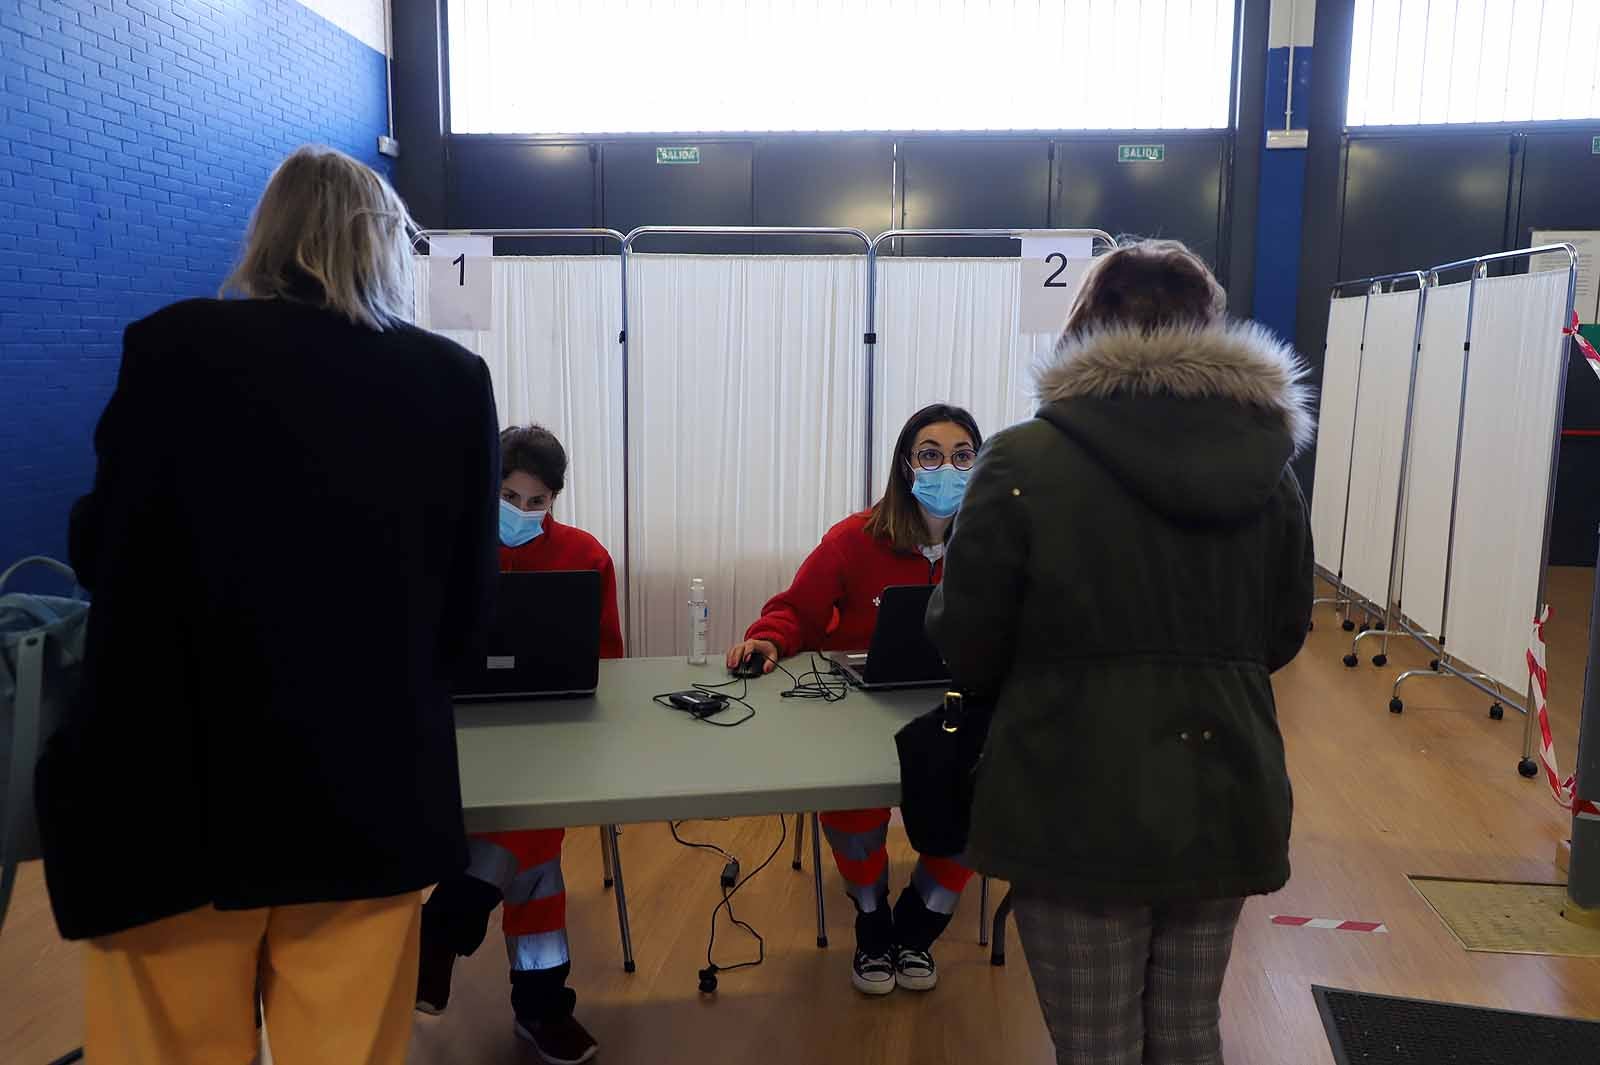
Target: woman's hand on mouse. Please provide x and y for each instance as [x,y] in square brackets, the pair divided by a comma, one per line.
[765,648]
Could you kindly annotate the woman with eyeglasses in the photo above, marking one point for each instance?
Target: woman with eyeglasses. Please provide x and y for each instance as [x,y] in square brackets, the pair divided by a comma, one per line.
[833,606]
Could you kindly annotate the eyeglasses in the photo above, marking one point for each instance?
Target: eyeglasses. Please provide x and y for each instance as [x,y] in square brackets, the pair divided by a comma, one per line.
[931,458]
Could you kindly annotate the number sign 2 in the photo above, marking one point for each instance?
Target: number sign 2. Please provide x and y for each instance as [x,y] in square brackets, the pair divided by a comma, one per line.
[1052,273]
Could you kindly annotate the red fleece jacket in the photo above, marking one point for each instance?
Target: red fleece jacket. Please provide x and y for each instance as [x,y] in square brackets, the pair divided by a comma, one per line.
[833,603]
[564,548]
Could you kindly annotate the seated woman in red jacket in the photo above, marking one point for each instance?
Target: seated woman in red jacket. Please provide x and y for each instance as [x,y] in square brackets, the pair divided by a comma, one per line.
[833,606]
[523,869]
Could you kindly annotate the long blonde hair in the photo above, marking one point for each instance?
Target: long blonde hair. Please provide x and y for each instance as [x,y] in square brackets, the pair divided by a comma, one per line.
[331,223]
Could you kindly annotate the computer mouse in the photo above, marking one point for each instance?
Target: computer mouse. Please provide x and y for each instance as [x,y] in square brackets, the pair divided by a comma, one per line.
[754,667]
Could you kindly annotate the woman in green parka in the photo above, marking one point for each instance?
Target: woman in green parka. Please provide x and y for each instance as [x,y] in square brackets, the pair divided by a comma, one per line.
[1127,571]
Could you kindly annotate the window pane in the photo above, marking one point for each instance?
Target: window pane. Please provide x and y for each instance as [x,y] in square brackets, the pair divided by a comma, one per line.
[1432,61]
[710,66]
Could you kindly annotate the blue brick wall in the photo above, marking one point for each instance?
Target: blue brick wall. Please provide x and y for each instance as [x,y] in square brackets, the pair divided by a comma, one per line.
[135,136]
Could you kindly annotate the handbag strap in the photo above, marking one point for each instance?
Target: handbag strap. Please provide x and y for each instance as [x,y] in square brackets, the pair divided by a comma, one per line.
[27,709]
[40,560]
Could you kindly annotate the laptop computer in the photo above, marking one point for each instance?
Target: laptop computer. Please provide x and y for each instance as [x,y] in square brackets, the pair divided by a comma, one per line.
[544,642]
[901,655]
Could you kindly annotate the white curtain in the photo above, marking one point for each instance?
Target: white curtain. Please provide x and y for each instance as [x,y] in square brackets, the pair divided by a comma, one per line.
[746,401]
[554,357]
[947,333]
[1518,353]
[1379,434]
[1341,368]
[1433,453]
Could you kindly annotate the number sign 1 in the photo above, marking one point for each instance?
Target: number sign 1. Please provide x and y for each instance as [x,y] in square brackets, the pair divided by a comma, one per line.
[460,283]
[1052,272]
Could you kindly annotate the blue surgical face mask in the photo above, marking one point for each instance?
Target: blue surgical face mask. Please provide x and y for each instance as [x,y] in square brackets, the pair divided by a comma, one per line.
[940,491]
[518,526]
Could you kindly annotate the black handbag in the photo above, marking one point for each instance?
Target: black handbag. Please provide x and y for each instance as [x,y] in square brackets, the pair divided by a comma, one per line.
[939,753]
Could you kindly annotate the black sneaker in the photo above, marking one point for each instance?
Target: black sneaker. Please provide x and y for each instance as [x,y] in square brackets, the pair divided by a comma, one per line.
[873,974]
[563,1042]
[915,970]
[435,963]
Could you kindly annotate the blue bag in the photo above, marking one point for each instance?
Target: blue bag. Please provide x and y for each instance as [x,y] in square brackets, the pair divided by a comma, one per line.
[42,640]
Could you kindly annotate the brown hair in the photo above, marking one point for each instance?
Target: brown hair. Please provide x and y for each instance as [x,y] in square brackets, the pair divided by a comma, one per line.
[896,517]
[1147,285]
[534,450]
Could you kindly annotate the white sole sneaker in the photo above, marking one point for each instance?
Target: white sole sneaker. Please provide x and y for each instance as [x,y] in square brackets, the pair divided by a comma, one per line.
[918,983]
[871,987]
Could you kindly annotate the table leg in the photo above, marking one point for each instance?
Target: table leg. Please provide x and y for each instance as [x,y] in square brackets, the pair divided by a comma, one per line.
[983,912]
[997,954]
[622,898]
[605,858]
[799,839]
[816,866]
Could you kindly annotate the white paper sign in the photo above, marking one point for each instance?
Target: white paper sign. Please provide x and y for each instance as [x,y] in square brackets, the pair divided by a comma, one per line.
[460,285]
[1587,241]
[1052,272]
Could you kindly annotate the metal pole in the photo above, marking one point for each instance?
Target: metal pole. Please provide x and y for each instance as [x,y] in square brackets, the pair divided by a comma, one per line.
[1396,540]
[1527,767]
[983,911]
[622,899]
[635,639]
[870,343]
[816,872]
[1350,462]
[1583,877]
[799,839]
[1478,271]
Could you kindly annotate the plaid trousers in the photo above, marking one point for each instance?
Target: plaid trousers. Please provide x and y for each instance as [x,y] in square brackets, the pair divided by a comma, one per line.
[1129,984]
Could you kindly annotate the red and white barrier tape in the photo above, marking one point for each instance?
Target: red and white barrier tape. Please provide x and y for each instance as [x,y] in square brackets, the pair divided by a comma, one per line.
[1563,789]
[1330,923]
[1590,355]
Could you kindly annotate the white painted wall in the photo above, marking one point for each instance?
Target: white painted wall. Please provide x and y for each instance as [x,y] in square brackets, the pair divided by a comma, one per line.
[362,19]
[1291,22]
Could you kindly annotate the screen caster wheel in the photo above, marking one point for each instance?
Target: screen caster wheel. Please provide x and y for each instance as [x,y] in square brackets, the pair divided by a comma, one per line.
[1528,768]
[1348,625]
[1351,660]
[1380,660]
[1434,665]
[1497,712]
[1396,706]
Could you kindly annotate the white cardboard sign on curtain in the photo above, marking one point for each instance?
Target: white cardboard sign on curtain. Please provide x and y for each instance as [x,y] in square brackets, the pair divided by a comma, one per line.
[460,286]
[1587,241]
[1052,272]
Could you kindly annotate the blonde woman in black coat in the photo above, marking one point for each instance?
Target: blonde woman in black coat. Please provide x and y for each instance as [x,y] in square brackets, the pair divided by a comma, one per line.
[290,541]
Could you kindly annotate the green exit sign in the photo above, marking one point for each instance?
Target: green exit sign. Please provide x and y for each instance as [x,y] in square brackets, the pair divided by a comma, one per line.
[678,156]
[1594,145]
[1141,153]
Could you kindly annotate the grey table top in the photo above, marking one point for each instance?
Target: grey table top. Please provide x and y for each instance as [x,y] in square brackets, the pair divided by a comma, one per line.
[620,757]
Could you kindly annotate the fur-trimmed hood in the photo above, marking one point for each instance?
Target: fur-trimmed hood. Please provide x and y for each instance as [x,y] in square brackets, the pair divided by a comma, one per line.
[1198,422]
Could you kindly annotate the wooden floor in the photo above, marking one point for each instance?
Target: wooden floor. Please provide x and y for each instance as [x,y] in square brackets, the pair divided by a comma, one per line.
[1434,791]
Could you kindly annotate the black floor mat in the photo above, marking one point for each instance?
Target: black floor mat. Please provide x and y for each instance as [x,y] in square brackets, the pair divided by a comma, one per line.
[1379,1030]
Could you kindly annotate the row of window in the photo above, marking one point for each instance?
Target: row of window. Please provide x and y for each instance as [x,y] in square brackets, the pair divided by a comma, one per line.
[598,67]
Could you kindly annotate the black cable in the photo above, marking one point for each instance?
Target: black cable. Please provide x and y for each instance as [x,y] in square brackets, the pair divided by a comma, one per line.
[830,687]
[712,847]
[713,689]
[727,902]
